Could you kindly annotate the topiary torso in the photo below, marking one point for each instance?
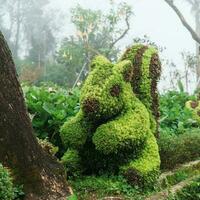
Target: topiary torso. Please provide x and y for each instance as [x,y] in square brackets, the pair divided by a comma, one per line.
[115,127]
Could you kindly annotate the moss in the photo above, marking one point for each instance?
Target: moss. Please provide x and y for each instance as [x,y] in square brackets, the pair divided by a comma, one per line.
[147,71]
[74,132]
[72,161]
[114,128]
[146,167]
[126,132]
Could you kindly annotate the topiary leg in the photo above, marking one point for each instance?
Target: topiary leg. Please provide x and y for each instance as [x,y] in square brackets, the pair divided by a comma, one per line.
[72,162]
[145,170]
[74,132]
[126,132]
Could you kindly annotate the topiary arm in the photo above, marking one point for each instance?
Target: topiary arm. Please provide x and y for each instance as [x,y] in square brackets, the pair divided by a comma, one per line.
[74,132]
[145,169]
[128,131]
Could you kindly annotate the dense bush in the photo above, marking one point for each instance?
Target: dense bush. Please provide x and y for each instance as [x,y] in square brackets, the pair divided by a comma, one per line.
[175,117]
[50,106]
[6,186]
[177,149]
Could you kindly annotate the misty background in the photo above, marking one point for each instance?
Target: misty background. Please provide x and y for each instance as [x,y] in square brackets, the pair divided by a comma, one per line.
[42,33]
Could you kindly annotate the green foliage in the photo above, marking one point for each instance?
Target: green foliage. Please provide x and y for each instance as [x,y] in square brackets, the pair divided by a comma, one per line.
[49,107]
[72,161]
[177,149]
[189,192]
[175,117]
[114,123]
[6,186]
[104,186]
[72,197]
[18,192]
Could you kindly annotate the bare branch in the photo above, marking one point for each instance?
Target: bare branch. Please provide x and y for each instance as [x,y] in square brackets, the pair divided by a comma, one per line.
[183,20]
[124,33]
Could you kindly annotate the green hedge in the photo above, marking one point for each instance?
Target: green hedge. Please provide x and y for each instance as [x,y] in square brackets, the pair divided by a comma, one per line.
[177,149]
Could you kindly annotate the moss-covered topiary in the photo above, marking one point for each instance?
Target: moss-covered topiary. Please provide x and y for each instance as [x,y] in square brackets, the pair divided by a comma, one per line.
[114,130]
[194,106]
[147,71]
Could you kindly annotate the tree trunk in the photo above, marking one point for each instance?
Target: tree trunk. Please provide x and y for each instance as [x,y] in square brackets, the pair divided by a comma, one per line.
[197,23]
[42,176]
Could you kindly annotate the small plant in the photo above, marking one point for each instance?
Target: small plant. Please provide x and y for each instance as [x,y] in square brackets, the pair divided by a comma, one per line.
[72,197]
[6,185]
[50,106]
[175,117]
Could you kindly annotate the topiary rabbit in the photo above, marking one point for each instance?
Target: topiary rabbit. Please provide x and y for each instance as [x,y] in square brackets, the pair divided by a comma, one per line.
[115,127]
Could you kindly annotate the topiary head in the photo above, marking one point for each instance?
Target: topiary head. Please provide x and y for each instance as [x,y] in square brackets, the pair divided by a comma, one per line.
[102,96]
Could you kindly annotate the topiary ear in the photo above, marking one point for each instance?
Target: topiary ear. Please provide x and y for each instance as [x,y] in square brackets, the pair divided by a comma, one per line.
[125,68]
[99,61]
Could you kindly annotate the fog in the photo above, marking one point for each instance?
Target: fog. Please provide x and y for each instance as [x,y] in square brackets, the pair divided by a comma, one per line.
[152,18]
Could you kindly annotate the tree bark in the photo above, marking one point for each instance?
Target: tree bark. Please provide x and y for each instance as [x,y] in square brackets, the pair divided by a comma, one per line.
[183,20]
[42,176]
[194,33]
[197,23]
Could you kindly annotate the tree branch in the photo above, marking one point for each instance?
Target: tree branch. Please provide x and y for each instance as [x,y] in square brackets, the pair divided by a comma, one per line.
[124,33]
[183,20]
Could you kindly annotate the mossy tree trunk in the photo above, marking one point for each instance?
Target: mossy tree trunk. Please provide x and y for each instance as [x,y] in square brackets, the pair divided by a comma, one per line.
[42,176]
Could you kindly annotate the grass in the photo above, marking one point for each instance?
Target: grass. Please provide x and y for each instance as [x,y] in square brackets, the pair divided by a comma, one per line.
[93,187]
[99,187]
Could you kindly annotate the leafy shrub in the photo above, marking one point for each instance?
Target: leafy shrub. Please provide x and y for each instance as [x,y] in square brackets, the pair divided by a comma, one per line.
[177,149]
[175,117]
[50,106]
[6,186]
[190,192]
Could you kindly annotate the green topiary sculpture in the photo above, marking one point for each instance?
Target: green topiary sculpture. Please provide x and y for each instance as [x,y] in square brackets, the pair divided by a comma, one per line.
[114,129]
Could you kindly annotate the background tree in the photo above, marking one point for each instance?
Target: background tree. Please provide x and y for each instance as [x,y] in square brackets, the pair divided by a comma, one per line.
[195,32]
[42,176]
[96,33]
[29,28]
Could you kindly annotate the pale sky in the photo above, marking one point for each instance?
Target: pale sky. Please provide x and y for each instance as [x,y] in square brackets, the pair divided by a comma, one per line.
[151,17]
